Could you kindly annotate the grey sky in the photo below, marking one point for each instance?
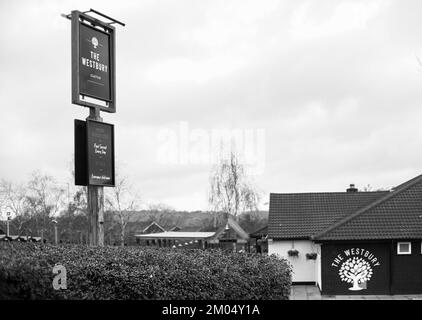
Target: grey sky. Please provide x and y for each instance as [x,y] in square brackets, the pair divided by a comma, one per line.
[334,84]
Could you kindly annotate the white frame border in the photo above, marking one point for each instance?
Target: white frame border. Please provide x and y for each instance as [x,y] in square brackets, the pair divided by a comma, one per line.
[410,247]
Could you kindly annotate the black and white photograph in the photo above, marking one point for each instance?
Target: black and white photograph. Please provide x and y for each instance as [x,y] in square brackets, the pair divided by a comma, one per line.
[216,158]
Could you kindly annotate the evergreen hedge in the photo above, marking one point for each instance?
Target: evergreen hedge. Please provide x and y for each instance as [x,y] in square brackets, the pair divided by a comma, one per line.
[26,272]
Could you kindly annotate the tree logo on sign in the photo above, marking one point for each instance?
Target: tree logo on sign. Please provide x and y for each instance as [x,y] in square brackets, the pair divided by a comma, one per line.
[356,271]
[356,266]
[94,42]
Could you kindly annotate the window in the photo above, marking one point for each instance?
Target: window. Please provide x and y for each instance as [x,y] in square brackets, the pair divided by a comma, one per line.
[404,248]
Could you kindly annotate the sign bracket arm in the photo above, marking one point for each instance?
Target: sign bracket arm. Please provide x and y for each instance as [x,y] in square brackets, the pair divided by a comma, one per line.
[107,17]
[113,21]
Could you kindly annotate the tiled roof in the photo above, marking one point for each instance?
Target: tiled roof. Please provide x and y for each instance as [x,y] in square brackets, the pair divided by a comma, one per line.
[261,232]
[235,231]
[153,227]
[302,215]
[397,215]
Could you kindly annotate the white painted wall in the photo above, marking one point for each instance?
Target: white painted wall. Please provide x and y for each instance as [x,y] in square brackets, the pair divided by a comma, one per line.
[304,270]
[318,265]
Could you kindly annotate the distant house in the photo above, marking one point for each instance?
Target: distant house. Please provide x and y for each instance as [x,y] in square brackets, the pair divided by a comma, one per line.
[351,242]
[176,228]
[229,236]
[258,240]
[154,227]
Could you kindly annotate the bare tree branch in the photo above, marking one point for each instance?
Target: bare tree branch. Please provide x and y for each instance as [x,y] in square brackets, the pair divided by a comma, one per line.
[230,191]
[121,201]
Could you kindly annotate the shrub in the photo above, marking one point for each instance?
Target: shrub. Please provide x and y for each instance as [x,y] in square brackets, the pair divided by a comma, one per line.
[140,273]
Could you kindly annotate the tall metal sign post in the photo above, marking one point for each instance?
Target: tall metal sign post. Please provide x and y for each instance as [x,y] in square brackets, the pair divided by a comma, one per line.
[94,87]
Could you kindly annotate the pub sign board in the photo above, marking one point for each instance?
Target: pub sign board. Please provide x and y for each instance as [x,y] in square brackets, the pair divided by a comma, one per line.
[94,153]
[355,268]
[81,163]
[93,63]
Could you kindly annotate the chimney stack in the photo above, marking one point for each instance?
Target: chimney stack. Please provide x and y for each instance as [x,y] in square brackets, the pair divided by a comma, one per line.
[352,188]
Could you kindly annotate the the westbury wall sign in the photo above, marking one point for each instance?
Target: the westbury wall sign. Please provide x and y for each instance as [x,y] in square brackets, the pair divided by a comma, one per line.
[356,267]
[93,63]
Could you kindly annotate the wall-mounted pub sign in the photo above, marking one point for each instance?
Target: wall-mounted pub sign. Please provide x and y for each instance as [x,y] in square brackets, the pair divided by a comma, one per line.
[93,63]
[355,268]
[94,153]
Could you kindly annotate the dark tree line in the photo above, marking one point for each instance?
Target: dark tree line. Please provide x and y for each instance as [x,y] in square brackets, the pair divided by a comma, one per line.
[35,204]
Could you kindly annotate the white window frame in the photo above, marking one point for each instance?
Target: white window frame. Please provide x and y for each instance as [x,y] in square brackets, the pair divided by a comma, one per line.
[404,242]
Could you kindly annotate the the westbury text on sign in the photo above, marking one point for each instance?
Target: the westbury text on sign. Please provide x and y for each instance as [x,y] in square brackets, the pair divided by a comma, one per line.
[93,58]
[94,75]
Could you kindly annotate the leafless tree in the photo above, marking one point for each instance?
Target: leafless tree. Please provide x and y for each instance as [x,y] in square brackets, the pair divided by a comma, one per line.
[230,190]
[419,62]
[12,197]
[44,198]
[160,207]
[121,201]
[369,188]
[158,212]
[4,188]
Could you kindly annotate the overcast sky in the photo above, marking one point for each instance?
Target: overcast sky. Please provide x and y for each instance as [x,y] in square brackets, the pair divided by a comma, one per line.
[325,93]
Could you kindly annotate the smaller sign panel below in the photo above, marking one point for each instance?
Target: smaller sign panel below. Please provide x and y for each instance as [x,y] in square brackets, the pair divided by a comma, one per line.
[100,153]
[81,164]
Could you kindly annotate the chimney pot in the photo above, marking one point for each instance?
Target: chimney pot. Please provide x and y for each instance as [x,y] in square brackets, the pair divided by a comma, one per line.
[352,188]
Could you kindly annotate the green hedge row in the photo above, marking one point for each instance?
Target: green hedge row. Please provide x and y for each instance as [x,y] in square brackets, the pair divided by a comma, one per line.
[26,272]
